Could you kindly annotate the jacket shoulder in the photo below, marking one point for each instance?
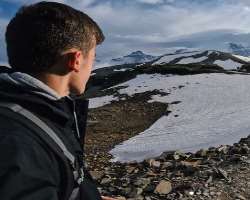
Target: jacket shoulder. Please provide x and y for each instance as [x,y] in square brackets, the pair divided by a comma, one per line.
[25,164]
[18,141]
[22,149]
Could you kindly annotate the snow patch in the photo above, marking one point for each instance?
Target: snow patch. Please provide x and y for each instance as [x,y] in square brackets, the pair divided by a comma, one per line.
[211,52]
[98,65]
[120,70]
[169,58]
[228,64]
[101,101]
[192,60]
[214,109]
[246,59]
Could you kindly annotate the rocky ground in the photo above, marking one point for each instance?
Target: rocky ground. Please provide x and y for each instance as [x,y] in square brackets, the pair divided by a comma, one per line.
[216,173]
[116,122]
[221,173]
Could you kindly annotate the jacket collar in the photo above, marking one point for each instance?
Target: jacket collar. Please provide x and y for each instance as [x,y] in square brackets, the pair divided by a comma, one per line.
[30,83]
[35,95]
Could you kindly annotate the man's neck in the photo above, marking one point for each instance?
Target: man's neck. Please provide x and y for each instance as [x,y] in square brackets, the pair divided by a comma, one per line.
[58,83]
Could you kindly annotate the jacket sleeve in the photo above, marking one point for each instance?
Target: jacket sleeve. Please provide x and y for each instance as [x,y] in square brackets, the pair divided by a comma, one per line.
[27,171]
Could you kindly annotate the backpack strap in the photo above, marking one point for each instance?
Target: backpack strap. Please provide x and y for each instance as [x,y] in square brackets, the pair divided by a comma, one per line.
[21,114]
[18,109]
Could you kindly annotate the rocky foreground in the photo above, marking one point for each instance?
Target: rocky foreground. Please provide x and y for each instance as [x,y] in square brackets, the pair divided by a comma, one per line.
[217,173]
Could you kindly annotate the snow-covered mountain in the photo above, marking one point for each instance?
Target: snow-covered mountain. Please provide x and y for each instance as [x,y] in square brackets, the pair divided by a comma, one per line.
[225,60]
[184,56]
[134,57]
[181,62]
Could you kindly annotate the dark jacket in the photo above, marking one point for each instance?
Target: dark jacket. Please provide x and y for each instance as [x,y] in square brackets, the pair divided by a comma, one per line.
[29,170]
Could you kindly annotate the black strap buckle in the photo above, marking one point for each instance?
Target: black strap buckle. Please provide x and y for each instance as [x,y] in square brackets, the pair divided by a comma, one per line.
[79,174]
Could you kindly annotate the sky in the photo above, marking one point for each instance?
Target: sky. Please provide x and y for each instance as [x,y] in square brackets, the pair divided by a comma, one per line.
[149,25]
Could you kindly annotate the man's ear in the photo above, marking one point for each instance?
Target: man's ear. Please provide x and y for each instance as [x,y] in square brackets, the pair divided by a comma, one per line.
[73,61]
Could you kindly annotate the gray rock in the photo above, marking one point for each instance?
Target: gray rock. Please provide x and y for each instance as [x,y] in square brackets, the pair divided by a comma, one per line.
[154,163]
[167,165]
[202,153]
[224,149]
[139,197]
[178,155]
[97,175]
[111,189]
[130,169]
[120,198]
[150,188]
[139,191]
[224,174]
[143,182]
[164,187]
[126,191]
[106,180]
[239,196]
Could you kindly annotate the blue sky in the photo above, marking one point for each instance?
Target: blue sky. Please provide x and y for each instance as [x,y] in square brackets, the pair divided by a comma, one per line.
[147,24]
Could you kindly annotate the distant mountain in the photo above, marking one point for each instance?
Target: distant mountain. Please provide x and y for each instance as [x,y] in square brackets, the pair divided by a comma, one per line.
[137,57]
[239,49]
[183,56]
[227,61]
[134,57]
[181,63]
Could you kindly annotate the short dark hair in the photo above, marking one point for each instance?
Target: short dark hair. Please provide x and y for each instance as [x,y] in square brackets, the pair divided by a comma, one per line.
[40,32]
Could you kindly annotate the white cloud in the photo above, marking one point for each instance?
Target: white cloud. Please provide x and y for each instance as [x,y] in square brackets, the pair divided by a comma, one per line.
[129,25]
[151,1]
[167,22]
[76,3]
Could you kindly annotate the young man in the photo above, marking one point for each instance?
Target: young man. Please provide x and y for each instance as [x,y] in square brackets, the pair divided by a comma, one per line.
[51,50]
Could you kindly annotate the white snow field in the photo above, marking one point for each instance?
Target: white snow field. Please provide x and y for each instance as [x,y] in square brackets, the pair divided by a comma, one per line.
[121,70]
[228,64]
[214,110]
[192,60]
[101,101]
[247,59]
